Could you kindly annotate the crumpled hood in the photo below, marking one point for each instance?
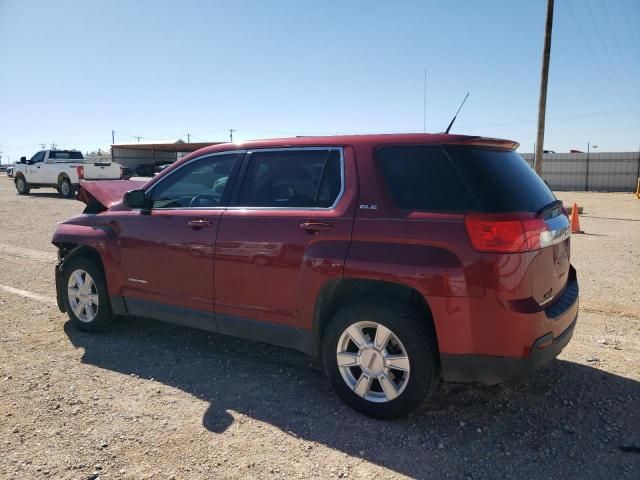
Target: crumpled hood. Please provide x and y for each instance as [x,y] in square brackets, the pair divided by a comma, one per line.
[107,192]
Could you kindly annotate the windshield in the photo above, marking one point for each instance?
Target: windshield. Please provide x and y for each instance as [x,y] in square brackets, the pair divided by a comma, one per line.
[62,155]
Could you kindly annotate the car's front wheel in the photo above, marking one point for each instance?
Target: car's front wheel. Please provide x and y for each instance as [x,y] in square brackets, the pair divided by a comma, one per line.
[85,295]
[381,358]
[21,185]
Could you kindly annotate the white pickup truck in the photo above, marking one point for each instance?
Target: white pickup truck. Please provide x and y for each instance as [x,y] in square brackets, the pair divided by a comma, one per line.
[62,170]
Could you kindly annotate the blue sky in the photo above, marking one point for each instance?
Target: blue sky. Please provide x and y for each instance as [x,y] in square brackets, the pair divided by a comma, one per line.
[71,71]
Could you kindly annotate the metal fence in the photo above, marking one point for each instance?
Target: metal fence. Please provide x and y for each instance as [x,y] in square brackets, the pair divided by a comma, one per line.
[603,171]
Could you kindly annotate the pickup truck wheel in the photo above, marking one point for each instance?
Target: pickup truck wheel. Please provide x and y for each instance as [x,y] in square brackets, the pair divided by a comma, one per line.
[381,358]
[22,186]
[85,295]
[65,188]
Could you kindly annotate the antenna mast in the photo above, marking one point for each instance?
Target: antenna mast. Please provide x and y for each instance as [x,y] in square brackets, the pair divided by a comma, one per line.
[424,104]
[456,115]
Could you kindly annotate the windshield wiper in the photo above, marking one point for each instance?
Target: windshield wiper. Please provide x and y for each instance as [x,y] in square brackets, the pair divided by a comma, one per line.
[549,206]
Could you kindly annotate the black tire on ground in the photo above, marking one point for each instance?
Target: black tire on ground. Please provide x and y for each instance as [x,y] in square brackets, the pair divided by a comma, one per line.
[103,315]
[22,186]
[418,338]
[65,188]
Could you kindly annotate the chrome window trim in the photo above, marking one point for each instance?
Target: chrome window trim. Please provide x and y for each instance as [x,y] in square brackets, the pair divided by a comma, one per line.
[202,157]
[304,209]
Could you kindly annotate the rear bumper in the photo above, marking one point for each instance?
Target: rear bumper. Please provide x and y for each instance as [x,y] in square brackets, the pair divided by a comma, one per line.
[493,369]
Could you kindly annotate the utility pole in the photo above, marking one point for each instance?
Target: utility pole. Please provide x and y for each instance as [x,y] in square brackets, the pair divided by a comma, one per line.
[231,130]
[113,137]
[544,78]
[188,138]
[138,139]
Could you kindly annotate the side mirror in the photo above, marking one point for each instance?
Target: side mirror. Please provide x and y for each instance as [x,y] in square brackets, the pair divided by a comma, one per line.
[23,159]
[136,199]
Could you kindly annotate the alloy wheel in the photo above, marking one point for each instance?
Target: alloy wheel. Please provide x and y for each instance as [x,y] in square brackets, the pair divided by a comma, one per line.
[83,295]
[373,361]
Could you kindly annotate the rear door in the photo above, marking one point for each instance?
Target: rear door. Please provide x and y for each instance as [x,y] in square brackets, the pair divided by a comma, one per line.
[167,251]
[287,231]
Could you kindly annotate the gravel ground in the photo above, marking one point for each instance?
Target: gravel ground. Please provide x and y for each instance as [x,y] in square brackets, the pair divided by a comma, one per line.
[152,400]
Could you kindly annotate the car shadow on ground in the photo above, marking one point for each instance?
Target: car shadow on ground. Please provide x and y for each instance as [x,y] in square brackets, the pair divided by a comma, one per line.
[568,419]
[52,194]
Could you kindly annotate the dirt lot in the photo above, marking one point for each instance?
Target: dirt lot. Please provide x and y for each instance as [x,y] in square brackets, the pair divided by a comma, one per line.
[150,400]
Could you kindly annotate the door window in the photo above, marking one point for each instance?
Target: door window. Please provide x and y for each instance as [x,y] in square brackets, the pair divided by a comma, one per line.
[199,184]
[38,157]
[293,179]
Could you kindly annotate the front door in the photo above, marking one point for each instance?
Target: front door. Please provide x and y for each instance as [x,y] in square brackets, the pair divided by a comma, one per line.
[35,170]
[168,251]
[288,229]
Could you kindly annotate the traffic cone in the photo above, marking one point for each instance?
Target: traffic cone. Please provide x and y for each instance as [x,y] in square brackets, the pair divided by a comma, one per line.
[575,221]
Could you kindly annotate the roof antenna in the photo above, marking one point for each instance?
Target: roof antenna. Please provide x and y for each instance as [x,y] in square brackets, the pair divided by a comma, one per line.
[456,115]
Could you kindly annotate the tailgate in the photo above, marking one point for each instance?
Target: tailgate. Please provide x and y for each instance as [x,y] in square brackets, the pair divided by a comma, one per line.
[101,171]
[550,269]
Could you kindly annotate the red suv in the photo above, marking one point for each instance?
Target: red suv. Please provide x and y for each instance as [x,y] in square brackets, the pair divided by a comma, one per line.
[399,259]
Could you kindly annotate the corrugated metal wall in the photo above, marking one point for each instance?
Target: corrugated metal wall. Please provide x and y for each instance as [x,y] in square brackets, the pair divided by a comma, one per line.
[131,158]
[607,171]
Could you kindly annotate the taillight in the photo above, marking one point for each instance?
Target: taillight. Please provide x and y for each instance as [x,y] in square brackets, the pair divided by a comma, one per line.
[509,233]
[80,170]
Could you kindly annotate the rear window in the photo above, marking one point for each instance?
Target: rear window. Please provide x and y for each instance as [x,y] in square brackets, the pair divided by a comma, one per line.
[500,180]
[423,178]
[65,155]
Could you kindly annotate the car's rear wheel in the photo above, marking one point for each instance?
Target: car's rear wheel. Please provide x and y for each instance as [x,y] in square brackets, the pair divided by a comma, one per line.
[22,186]
[381,358]
[65,188]
[85,295]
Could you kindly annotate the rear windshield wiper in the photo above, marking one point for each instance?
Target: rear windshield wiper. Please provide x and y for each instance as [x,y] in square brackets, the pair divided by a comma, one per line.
[548,207]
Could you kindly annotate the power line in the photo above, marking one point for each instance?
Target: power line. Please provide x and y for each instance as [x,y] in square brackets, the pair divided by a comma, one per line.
[631,34]
[606,52]
[558,118]
[605,73]
[615,38]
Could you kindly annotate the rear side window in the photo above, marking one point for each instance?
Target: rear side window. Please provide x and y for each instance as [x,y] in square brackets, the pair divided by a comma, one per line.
[501,180]
[423,178]
[292,178]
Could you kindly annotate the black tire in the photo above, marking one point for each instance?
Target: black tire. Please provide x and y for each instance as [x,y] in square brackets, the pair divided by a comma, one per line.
[103,314]
[65,188]
[22,186]
[418,338]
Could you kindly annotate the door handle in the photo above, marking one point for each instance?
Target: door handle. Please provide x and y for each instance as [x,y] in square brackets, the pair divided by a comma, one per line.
[37,167]
[199,223]
[311,227]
